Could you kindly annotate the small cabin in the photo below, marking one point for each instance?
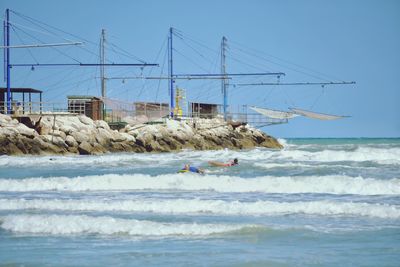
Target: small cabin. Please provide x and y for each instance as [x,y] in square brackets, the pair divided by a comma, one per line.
[21,100]
[204,110]
[90,106]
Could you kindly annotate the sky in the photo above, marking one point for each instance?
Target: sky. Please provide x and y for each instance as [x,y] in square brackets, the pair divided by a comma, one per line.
[308,40]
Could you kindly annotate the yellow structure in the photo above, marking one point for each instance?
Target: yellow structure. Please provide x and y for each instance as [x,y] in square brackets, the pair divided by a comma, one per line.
[179,95]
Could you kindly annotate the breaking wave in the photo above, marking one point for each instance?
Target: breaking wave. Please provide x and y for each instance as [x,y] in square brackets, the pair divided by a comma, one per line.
[381,155]
[217,207]
[331,184]
[83,224]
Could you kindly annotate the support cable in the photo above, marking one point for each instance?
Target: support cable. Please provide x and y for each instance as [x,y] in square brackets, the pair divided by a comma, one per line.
[19,38]
[37,23]
[162,71]
[126,53]
[54,48]
[191,61]
[286,66]
[184,35]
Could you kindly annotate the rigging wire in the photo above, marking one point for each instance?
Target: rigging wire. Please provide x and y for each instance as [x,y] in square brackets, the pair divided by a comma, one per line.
[195,50]
[143,85]
[58,84]
[19,38]
[191,61]
[26,78]
[245,63]
[162,68]
[48,33]
[255,66]
[126,53]
[210,84]
[285,61]
[69,87]
[151,69]
[184,35]
[38,24]
[317,99]
[119,51]
[54,48]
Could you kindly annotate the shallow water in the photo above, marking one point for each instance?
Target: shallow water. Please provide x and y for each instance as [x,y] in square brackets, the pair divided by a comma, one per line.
[318,202]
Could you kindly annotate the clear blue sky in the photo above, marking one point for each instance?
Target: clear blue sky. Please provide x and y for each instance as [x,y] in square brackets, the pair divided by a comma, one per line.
[334,40]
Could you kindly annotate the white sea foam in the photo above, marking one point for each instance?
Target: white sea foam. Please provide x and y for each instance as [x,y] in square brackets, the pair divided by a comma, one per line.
[215,207]
[83,224]
[379,155]
[291,153]
[285,165]
[309,165]
[284,143]
[333,184]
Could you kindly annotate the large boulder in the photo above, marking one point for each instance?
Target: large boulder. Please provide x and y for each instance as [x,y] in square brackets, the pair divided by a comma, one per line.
[28,132]
[86,120]
[59,133]
[70,141]
[80,137]
[85,148]
[102,124]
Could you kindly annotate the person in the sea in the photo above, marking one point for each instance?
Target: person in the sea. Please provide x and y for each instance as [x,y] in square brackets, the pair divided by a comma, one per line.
[234,162]
[230,163]
[188,168]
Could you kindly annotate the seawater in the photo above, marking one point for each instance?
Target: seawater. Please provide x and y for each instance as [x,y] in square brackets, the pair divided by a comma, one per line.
[317,202]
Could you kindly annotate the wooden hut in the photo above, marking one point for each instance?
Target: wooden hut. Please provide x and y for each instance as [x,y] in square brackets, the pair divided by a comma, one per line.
[91,106]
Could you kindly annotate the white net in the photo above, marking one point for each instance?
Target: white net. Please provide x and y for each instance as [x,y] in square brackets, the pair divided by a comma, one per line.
[134,112]
[314,115]
[275,114]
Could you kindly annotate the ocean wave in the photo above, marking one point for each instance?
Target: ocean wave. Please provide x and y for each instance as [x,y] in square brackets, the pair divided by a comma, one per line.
[214,207]
[104,225]
[332,184]
[379,155]
[291,153]
[313,165]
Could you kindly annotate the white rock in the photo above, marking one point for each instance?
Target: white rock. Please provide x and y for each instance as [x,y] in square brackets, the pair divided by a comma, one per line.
[119,137]
[46,126]
[70,141]
[67,129]
[103,133]
[4,117]
[8,131]
[134,133]
[102,124]
[80,137]
[24,130]
[55,140]
[59,134]
[86,120]
[128,137]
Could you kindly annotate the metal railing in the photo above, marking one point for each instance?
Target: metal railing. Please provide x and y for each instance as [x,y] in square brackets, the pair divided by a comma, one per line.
[134,115]
[254,119]
[28,108]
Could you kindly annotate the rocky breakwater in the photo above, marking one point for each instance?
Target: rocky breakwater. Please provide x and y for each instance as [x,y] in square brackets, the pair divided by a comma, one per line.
[51,134]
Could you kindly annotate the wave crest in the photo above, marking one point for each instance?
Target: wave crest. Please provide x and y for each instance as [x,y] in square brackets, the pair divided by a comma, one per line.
[78,224]
[217,207]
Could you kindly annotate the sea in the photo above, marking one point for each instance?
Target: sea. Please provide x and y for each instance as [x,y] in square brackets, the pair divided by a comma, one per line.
[317,202]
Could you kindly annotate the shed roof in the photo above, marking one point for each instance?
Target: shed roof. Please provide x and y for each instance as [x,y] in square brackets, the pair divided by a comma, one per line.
[204,104]
[20,90]
[85,97]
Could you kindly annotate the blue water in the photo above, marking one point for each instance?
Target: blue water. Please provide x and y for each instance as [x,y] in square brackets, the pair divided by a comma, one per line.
[317,202]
